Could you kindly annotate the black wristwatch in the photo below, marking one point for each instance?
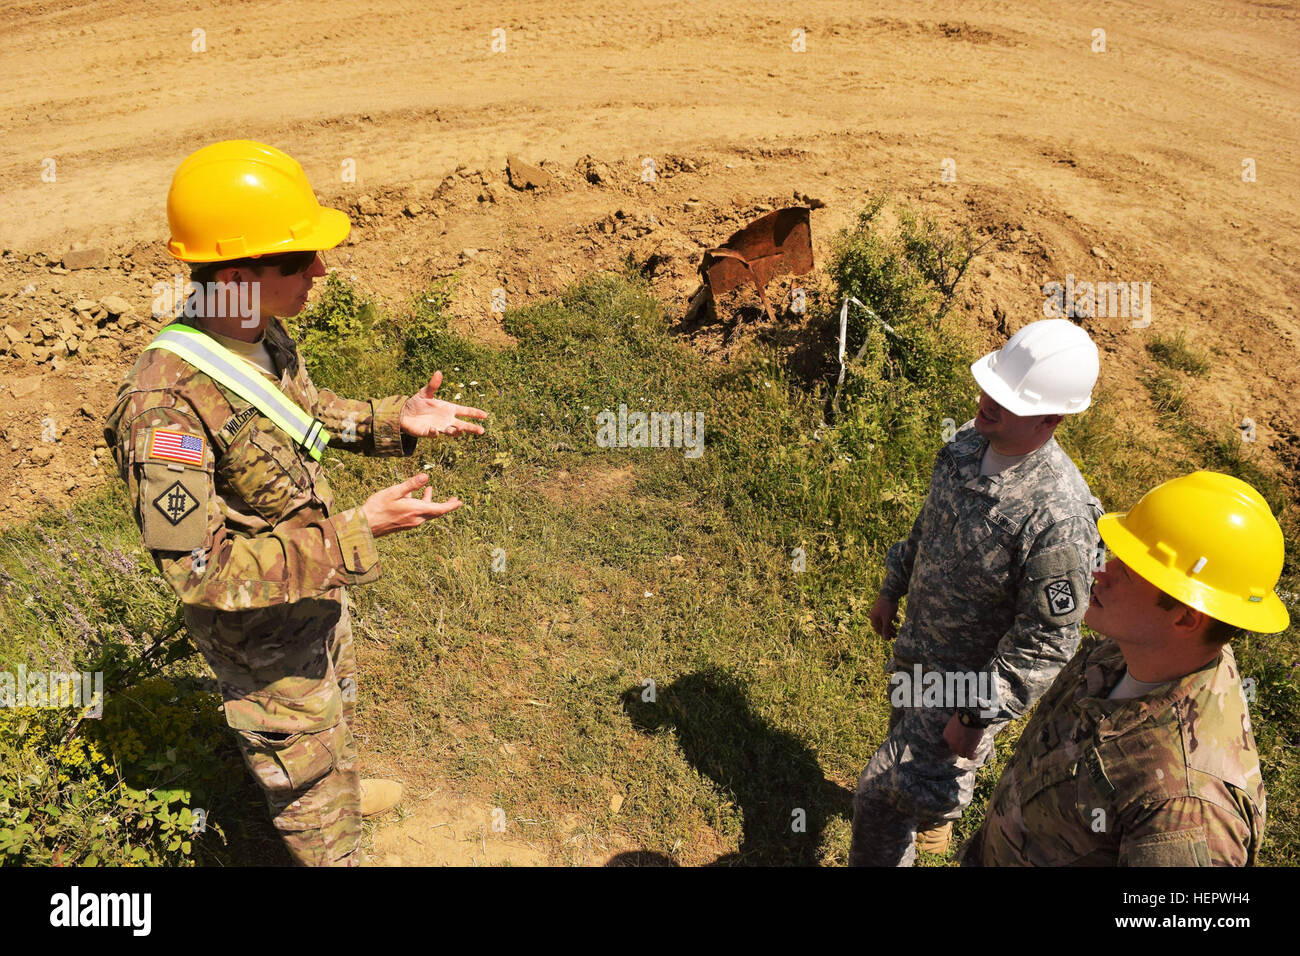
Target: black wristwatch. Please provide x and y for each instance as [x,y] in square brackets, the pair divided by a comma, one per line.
[968,718]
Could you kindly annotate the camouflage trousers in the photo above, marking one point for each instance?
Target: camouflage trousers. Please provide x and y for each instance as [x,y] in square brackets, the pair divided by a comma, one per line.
[913,782]
[288,677]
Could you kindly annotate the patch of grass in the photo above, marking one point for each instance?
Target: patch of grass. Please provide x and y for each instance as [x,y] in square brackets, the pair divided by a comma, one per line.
[1174,351]
[1168,393]
[1100,442]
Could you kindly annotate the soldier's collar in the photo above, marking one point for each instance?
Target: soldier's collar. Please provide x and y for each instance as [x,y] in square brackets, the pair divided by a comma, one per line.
[1104,668]
[967,452]
[970,458]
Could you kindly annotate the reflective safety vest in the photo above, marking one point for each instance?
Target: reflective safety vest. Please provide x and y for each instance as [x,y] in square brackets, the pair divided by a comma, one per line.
[245,380]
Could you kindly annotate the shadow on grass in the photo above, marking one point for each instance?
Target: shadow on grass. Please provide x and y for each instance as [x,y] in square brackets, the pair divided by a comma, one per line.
[169,734]
[771,774]
[251,840]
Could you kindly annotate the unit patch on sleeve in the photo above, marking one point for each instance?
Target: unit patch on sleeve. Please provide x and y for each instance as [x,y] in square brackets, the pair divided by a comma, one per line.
[1060,597]
[175,503]
[173,506]
[168,444]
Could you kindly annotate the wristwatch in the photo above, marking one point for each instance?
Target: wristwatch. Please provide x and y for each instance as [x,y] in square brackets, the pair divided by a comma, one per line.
[968,718]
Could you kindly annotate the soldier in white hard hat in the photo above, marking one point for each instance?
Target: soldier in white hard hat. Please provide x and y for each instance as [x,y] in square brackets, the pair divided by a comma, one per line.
[996,573]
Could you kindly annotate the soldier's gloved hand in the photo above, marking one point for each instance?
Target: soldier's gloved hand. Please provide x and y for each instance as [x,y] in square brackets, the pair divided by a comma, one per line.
[393,509]
[884,614]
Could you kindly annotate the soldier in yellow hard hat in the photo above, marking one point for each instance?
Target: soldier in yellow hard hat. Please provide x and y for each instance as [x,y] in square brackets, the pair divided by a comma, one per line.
[218,433]
[1141,753]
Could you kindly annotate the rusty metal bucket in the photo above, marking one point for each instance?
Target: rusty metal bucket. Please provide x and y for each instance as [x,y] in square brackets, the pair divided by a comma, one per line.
[778,243]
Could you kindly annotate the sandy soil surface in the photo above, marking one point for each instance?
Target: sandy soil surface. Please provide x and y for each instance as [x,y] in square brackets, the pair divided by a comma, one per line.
[1122,165]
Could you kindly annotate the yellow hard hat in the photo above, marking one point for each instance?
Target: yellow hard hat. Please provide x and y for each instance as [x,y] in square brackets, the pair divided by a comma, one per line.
[1210,541]
[240,198]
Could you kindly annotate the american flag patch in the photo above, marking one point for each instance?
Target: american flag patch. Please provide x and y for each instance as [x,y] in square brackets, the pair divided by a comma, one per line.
[176,446]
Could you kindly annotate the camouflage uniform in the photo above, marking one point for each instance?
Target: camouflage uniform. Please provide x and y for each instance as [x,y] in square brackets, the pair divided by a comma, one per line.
[998,571]
[252,543]
[1168,779]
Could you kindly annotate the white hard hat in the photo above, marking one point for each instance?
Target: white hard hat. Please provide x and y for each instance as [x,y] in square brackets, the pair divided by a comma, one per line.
[1047,368]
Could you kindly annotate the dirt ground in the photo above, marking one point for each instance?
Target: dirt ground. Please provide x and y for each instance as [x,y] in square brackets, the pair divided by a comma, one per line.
[1117,165]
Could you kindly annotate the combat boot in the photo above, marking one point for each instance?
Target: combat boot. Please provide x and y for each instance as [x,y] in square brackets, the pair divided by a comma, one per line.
[378,796]
[934,840]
